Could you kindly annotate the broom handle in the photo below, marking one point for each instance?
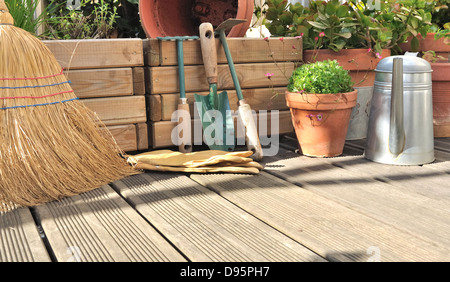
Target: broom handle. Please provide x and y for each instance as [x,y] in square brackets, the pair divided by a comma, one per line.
[5,16]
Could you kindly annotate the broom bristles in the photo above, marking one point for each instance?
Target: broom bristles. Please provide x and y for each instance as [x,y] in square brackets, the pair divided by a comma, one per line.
[51,145]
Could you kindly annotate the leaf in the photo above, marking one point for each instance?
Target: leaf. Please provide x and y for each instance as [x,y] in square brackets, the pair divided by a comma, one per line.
[414,22]
[331,8]
[415,44]
[319,25]
[337,46]
[322,16]
[342,11]
[427,18]
[411,30]
[447,40]
[346,35]
[302,29]
[349,24]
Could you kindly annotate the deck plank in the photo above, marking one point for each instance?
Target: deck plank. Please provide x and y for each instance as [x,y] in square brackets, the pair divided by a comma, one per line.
[19,238]
[203,225]
[327,227]
[99,226]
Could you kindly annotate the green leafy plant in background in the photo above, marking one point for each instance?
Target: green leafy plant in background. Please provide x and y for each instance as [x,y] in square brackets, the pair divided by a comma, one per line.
[353,24]
[24,14]
[444,33]
[94,19]
[440,11]
[323,77]
[89,20]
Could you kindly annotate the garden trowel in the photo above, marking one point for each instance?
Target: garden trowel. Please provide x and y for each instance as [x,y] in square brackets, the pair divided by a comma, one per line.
[244,110]
[214,108]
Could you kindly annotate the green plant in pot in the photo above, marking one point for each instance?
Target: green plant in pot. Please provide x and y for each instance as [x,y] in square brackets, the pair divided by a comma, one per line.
[440,65]
[321,97]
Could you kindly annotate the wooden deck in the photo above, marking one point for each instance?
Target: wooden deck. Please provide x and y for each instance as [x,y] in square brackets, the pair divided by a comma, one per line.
[298,209]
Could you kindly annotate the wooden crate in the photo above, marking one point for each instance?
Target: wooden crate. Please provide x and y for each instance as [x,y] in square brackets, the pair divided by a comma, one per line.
[108,76]
[253,58]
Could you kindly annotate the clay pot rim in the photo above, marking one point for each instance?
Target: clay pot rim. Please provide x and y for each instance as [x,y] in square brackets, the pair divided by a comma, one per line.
[440,71]
[153,28]
[327,100]
[356,59]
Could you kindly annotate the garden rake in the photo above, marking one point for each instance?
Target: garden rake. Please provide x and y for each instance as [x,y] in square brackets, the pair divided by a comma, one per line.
[184,140]
[51,145]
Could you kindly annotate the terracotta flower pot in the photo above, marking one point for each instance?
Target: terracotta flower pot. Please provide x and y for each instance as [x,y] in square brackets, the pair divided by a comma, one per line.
[441,99]
[360,63]
[428,43]
[183,17]
[321,121]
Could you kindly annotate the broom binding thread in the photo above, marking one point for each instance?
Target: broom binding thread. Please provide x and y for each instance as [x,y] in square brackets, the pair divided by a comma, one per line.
[38,105]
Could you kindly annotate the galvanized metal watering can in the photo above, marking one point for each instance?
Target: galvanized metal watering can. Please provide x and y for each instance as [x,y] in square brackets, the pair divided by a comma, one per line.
[400,130]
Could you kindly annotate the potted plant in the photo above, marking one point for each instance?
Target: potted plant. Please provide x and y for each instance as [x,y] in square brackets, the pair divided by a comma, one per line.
[356,33]
[331,28]
[441,85]
[430,40]
[321,96]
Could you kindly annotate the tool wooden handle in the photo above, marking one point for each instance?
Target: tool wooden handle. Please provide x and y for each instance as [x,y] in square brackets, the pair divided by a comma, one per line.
[185,140]
[209,51]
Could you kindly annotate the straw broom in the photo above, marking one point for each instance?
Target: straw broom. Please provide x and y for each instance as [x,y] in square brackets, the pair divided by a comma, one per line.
[51,145]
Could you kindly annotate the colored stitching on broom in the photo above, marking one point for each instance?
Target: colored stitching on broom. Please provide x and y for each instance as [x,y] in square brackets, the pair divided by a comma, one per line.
[34,86]
[30,78]
[37,105]
[36,97]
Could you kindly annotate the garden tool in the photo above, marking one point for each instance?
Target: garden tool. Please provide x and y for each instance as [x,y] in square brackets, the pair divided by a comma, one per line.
[400,130]
[183,106]
[200,162]
[214,109]
[51,144]
[244,110]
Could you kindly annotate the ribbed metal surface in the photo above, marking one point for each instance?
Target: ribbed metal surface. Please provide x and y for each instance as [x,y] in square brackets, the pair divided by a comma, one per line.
[204,226]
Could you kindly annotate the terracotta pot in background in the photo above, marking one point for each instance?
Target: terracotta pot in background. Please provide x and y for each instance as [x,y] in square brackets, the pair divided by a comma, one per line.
[428,43]
[321,121]
[360,63]
[361,66]
[183,17]
[441,99]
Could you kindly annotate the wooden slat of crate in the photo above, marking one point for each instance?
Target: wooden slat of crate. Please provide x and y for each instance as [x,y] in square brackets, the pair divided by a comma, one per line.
[138,81]
[165,79]
[160,132]
[243,50]
[94,83]
[97,53]
[125,136]
[130,137]
[258,98]
[154,107]
[119,110]
[151,52]
[142,136]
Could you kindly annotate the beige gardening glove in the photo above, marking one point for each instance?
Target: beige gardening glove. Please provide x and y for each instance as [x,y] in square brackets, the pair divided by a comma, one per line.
[201,162]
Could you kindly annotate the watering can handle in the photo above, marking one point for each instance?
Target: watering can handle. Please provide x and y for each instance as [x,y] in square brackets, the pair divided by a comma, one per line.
[209,51]
[397,129]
